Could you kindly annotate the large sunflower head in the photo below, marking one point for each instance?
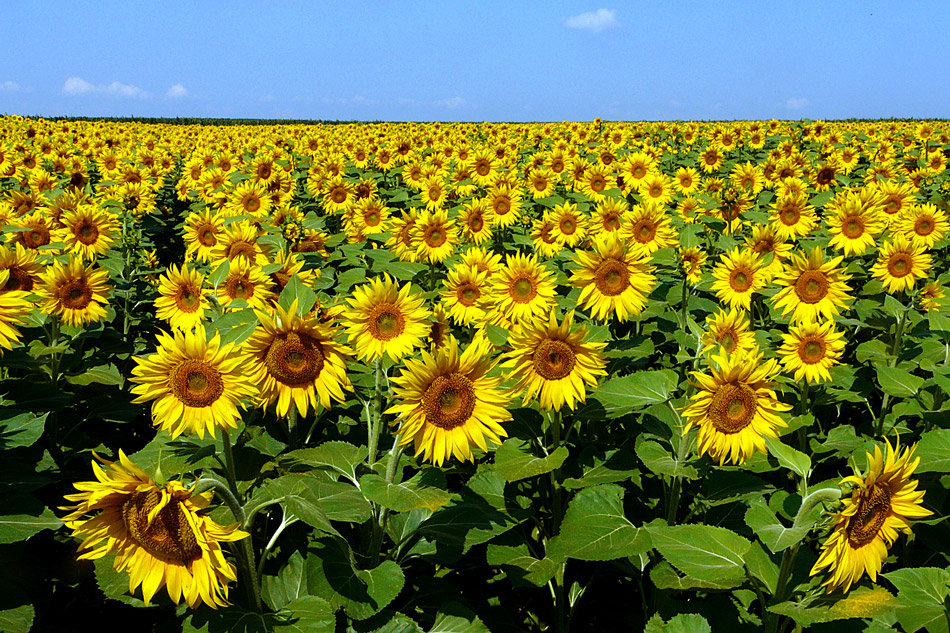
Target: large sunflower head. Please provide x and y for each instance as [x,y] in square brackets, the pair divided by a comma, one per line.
[811,349]
[900,263]
[923,225]
[76,294]
[23,266]
[738,275]
[161,535]
[202,231]
[814,289]
[612,279]
[648,229]
[435,236]
[523,288]
[853,225]
[465,287]
[881,505]
[447,402]
[14,307]
[384,318]
[729,332]
[87,231]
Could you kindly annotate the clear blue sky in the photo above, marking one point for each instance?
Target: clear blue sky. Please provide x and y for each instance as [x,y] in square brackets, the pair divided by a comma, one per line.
[507,60]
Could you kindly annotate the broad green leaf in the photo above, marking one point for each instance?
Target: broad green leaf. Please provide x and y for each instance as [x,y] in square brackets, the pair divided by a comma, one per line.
[341,457]
[498,336]
[679,623]
[361,593]
[897,382]
[760,518]
[103,375]
[616,465]
[298,291]
[922,596]
[514,461]
[456,619]
[288,585]
[536,571]
[115,584]
[18,620]
[186,454]
[620,396]
[661,462]
[232,619]
[349,278]
[762,567]
[423,490]
[219,274]
[297,496]
[404,271]
[596,528]
[796,461]
[306,614]
[19,527]
[934,451]
[21,429]
[394,623]
[863,602]
[705,552]
[465,523]
[664,576]
[341,501]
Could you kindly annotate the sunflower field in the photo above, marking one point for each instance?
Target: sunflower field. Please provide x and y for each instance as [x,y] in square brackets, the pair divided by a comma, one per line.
[434,378]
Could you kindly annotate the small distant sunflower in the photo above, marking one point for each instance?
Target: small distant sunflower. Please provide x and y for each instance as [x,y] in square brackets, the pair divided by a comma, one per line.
[87,231]
[183,299]
[553,361]
[728,331]
[736,408]
[197,384]
[882,504]
[297,361]
[162,536]
[692,261]
[924,225]
[465,287]
[738,275]
[383,318]
[814,289]
[811,349]
[900,263]
[435,236]
[612,279]
[930,294]
[523,288]
[14,307]
[447,402]
[76,294]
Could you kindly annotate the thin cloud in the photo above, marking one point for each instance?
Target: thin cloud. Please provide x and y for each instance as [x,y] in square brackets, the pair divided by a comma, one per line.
[454,102]
[79,86]
[177,92]
[10,87]
[593,21]
[796,104]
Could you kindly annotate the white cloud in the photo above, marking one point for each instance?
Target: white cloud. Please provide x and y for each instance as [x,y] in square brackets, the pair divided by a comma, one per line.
[454,102]
[176,92]
[12,86]
[79,86]
[796,104]
[594,21]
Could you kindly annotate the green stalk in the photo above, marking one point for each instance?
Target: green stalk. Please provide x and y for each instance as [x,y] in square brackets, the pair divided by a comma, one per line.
[802,410]
[379,528]
[292,425]
[229,463]
[895,348]
[685,301]
[557,515]
[374,415]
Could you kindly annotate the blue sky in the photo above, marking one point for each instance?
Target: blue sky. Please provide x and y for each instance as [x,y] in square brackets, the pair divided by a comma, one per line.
[510,60]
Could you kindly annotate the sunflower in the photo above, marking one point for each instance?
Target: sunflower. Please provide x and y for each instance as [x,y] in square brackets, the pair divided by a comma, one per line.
[78,295]
[433,193]
[338,195]
[465,287]
[596,180]
[400,242]
[435,236]
[447,402]
[161,536]
[183,299]
[648,229]
[23,267]
[813,288]
[541,182]
[811,349]
[924,225]
[14,307]
[852,225]
[609,215]
[370,215]
[553,361]
[686,180]
[485,261]
[523,288]
[612,279]
[931,293]
[505,203]
[542,237]
[297,361]
[239,241]
[202,231]
[477,218]
[792,216]
[197,384]
[383,318]
[692,261]
[736,408]
[570,224]
[291,264]
[656,188]
[728,331]
[249,198]
[87,231]
[882,503]
[897,198]
[899,264]
[36,230]
[738,275]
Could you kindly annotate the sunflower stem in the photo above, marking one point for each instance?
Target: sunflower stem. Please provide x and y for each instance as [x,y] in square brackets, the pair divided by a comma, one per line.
[374,414]
[292,425]
[379,529]
[895,349]
[229,462]
[285,522]
[685,301]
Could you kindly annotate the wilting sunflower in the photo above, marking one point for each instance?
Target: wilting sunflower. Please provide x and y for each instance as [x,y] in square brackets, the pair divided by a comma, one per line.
[447,402]
[465,287]
[245,281]
[553,361]
[736,408]
[161,535]
[183,298]
[76,294]
[738,275]
[383,318]
[197,384]
[297,361]
[728,331]
[87,231]
[612,279]
[435,236]
[523,288]
[814,290]
[924,225]
[14,307]
[882,503]
[811,349]
[899,264]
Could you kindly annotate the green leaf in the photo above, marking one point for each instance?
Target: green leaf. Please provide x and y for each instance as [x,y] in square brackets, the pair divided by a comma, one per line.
[361,593]
[405,271]
[661,462]
[897,382]
[233,619]
[424,490]
[922,596]
[705,552]
[514,461]
[454,619]
[288,585]
[863,602]
[762,567]
[297,496]
[298,291]
[219,274]
[934,451]
[341,457]
[760,518]
[103,375]
[616,465]
[796,461]
[664,576]
[21,429]
[18,620]
[680,623]
[497,335]
[341,501]
[19,527]
[349,278]
[176,456]
[596,528]
[115,584]
[536,571]
[306,614]
[623,395]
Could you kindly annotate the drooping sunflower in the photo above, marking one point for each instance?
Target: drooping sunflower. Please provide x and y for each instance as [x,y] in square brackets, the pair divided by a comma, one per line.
[924,225]
[736,407]
[384,318]
[728,331]
[87,231]
[523,288]
[814,289]
[553,361]
[447,402]
[76,294]
[737,276]
[197,384]
[465,287]
[183,298]
[930,295]
[612,279]
[14,307]
[297,361]
[899,264]
[811,349]
[161,535]
[882,504]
